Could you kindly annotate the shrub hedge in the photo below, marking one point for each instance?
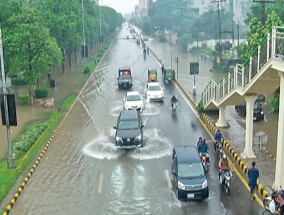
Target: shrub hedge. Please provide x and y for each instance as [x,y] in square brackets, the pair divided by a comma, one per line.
[41,92]
[23,99]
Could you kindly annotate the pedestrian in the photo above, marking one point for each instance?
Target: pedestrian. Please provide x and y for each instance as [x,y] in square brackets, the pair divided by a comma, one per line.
[253,175]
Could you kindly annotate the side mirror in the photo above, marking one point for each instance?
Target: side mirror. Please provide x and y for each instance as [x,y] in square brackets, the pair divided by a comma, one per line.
[114,127]
[142,126]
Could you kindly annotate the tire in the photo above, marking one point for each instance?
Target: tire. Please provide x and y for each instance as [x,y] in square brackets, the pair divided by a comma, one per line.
[227,189]
[266,204]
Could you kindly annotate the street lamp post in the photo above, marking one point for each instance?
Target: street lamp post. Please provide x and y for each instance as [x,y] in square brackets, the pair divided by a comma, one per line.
[5,92]
[177,60]
[84,37]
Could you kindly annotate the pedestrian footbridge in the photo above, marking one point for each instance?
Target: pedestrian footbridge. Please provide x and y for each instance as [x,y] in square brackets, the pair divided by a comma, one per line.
[262,73]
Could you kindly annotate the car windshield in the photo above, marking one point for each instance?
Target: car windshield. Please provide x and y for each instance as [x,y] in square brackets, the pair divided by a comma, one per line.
[128,124]
[154,88]
[124,77]
[131,98]
[190,170]
[257,105]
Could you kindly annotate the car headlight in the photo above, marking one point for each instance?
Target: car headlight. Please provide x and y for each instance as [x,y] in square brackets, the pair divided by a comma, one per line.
[181,185]
[118,139]
[138,138]
[204,184]
[261,112]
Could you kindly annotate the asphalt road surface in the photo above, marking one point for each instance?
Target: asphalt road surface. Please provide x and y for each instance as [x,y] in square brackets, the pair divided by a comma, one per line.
[83,172]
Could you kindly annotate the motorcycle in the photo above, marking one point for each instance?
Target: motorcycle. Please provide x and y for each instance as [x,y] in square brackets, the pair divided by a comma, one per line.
[174,106]
[226,182]
[274,202]
[219,149]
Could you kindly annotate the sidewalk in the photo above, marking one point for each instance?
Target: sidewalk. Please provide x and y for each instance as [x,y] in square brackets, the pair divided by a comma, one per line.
[235,133]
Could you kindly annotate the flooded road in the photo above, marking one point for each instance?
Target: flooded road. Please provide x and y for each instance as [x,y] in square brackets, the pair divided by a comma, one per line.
[84,173]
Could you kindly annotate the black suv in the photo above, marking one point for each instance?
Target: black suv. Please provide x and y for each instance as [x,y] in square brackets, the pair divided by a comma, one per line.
[189,179]
[129,130]
[257,111]
[124,79]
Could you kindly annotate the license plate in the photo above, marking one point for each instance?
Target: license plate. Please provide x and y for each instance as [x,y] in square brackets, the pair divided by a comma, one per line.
[190,195]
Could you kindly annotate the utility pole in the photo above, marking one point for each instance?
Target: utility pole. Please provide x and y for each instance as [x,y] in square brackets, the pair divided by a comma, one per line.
[10,161]
[262,13]
[218,2]
[84,36]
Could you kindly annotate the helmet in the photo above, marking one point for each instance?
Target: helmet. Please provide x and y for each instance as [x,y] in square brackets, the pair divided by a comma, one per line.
[224,156]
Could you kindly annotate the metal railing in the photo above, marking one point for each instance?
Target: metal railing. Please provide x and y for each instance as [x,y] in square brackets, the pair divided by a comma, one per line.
[271,47]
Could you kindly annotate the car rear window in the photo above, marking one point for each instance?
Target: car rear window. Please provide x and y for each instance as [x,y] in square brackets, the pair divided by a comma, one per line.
[128,124]
[154,88]
[190,170]
[133,98]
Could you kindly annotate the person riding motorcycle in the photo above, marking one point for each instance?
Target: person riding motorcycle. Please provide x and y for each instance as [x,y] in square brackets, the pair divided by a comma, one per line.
[199,141]
[223,167]
[218,136]
[203,150]
[173,100]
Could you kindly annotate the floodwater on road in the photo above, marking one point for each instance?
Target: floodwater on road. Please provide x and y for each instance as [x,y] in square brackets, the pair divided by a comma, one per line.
[84,173]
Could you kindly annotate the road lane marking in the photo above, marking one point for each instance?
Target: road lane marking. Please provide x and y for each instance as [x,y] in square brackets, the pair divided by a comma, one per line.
[101,179]
[168,179]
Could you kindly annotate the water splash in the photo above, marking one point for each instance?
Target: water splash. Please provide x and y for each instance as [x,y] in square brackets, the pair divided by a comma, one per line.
[155,147]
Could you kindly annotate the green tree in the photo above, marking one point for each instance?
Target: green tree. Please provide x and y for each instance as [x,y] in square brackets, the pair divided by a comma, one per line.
[29,48]
[258,32]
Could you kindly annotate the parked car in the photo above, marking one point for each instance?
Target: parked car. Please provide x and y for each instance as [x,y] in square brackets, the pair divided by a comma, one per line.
[153,91]
[257,111]
[189,178]
[129,130]
[133,101]
[124,78]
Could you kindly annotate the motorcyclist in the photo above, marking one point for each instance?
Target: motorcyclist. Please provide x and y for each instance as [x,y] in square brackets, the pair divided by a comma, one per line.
[218,137]
[223,166]
[203,150]
[199,141]
[173,100]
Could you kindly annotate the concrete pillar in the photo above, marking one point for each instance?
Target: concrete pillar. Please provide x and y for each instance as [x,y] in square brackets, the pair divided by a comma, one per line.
[221,121]
[279,171]
[248,152]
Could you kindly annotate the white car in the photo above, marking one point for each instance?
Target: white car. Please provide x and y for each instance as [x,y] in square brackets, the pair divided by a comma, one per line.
[133,100]
[153,91]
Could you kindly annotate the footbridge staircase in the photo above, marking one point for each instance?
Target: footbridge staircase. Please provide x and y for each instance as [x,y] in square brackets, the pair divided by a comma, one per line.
[262,73]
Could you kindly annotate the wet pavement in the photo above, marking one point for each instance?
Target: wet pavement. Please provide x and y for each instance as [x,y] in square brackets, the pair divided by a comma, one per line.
[83,171]
[235,132]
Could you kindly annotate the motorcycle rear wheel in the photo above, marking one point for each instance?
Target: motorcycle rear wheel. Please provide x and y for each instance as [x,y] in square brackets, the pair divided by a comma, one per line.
[227,189]
[266,203]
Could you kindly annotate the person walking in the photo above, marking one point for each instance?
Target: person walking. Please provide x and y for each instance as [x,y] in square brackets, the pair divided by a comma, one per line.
[253,175]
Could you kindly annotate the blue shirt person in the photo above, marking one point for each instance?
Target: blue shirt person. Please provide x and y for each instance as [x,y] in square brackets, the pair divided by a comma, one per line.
[253,175]
[203,149]
[218,136]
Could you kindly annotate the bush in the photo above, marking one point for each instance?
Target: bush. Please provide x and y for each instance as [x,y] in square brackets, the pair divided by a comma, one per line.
[41,92]
[274,102]
[200,107]
[23,99]
[23,144]
[18,82]
[87,70]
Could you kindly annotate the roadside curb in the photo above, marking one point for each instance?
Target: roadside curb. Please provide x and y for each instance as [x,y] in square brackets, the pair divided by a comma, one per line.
[27,178]
[207,120]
